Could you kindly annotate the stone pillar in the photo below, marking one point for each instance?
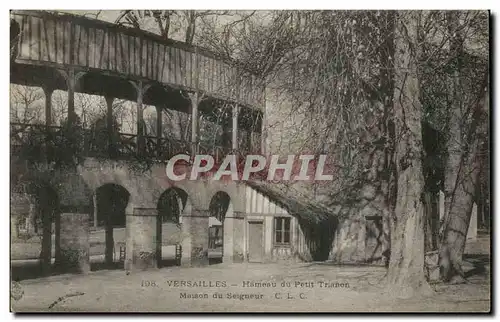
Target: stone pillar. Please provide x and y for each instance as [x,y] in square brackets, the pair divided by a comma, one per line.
[195,238]
[472,231]
[141,239]
[239,237]
[75,243]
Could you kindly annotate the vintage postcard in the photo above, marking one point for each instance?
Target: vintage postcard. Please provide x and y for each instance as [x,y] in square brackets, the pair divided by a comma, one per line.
[250,161]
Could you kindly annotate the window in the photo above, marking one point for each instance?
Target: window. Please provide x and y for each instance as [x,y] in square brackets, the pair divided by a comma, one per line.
[22,224]
[282,230]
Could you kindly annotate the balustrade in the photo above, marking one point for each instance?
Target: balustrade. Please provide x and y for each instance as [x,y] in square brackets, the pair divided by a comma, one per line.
[95,143]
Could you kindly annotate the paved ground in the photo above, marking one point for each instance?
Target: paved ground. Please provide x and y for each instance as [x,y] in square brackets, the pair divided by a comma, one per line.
[352,289]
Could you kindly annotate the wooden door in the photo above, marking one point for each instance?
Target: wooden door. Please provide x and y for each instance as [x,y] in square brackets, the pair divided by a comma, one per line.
[255,241]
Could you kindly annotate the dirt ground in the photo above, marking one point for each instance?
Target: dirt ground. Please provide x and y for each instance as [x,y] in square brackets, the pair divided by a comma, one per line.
[318,287]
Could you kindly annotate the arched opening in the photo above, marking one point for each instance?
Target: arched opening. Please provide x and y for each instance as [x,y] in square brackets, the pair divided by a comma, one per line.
[172,203]
[110,202]
[220,208]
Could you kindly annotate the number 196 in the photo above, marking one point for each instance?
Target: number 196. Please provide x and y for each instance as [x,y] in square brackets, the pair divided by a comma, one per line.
[148,284]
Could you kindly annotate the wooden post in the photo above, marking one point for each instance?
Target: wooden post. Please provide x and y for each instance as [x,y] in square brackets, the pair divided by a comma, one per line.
[235,127]
[71,82]
[227,130]
[47,90]
[194,122]
[140,118]
[71,96]
[109,122]
[141,90]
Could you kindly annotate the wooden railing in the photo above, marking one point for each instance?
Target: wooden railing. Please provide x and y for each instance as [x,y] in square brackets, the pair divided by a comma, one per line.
[95,143]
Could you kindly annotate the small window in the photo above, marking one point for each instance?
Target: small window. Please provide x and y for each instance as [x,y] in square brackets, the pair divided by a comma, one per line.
[282,230]
[22,223]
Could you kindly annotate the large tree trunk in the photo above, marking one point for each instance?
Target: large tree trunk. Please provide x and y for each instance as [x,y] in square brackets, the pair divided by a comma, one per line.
[460,210]
[455,115]
[455,231]
[462,166]
[406,267]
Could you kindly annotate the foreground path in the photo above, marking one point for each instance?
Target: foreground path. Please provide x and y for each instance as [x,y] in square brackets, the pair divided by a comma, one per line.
[313,287]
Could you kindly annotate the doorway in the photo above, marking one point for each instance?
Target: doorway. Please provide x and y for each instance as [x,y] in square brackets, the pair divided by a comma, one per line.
[255,241]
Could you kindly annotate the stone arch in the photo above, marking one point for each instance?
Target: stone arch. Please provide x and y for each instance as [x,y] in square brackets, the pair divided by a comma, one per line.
[172,204]
[115,199]
[198,191]
[220,229]
[219,205]
[96,173]
[110,202]
[234,189]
